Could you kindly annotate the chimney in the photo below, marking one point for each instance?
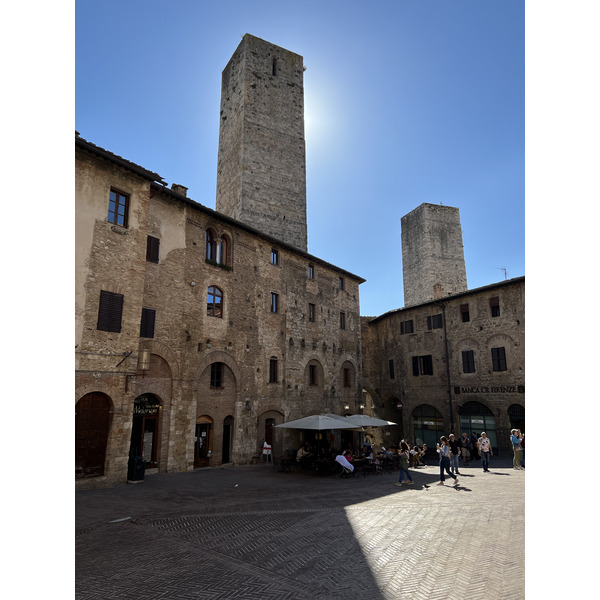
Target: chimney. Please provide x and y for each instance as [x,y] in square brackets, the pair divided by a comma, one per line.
[179,189]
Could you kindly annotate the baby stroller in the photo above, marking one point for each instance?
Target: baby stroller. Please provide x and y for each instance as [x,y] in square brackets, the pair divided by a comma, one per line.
[344,468]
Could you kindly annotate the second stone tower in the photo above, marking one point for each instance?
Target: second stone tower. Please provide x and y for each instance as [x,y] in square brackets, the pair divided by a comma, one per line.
[261,170]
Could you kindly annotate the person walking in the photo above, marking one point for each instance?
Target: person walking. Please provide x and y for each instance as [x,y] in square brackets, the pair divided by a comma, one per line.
[444,452]
[454,454]
[515,438]
[403,458]
[485,451]
[465,448]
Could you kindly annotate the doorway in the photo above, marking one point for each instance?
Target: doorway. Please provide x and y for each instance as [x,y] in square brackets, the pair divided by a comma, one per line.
[144,431]
[203,442]
[226,452]
[92,424]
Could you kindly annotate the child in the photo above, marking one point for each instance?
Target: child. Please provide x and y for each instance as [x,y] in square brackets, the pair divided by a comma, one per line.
[444,452]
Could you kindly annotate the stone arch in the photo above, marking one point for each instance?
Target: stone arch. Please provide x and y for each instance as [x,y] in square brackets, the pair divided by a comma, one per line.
[164,352]
[467,343]
[219,356]
[93,419]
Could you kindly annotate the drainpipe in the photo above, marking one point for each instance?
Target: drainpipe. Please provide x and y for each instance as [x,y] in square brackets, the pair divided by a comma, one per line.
[447,367]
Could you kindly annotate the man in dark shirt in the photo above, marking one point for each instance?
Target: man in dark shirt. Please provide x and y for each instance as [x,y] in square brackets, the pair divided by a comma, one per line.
[454,453]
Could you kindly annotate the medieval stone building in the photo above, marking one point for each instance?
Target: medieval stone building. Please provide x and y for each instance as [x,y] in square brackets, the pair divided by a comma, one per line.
[453,359]
[199,330]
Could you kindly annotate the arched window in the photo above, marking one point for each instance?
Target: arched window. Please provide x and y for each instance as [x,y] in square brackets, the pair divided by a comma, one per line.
[214,304]
[222,251]
[475,417]
[211,248]
[428,425]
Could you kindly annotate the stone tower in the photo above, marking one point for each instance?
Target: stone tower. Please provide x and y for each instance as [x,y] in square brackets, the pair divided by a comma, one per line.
[433,260]
[261,170]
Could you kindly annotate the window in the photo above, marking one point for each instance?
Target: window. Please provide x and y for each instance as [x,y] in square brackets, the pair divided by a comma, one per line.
[274,256]
[407,327]
[211,245]
[222,251]
[273,370]
[342,284]
[274,302]
[495,306]
[311,271]
[274,67]
[422,365]
[346,377]
[214,304]
[342,320]
[468,360]
[498,359]
[110,311]
[464,313]
[216,376]
[435,322]
[312,374]
[152,248]
[391,368]
[147,323]
[118,208]
[311,313]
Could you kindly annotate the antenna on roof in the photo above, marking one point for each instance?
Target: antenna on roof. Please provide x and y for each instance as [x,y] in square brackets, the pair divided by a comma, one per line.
[505,272]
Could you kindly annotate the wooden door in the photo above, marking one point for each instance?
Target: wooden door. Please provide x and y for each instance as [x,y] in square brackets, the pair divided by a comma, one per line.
[92,424]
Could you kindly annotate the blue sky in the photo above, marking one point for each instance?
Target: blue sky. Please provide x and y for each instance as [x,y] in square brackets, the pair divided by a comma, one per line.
[405,102]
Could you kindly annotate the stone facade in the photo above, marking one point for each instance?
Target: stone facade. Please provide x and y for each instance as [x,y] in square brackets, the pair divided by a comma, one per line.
[474,378]
[316,357]
[433,260]
[261,170]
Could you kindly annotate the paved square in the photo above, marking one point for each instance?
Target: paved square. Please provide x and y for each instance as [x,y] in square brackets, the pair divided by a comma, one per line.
[252,532]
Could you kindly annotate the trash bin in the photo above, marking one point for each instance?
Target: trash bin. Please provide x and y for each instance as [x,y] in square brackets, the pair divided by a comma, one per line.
[136,468]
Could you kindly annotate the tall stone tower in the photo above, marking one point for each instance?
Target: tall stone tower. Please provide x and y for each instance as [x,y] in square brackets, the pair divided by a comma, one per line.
[261,170]
[433,260]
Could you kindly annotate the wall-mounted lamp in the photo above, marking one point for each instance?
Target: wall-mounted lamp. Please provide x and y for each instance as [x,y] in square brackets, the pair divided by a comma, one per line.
[346,407]
[144,360]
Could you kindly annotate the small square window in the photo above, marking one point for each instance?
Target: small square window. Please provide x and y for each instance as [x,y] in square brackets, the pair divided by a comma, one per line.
[435,322]
[274,256]
[342,284]
[407,327]
[216,376]
[464,313]
[422,365]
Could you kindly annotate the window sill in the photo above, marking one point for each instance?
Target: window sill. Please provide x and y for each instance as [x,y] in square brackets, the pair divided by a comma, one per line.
[214,263]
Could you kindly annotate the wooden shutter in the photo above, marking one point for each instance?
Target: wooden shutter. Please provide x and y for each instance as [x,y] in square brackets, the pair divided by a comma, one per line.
[152,249]
[147,323]
[110,311]
[415,365]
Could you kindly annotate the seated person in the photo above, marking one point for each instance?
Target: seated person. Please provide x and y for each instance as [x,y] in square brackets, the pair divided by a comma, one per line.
[302,452]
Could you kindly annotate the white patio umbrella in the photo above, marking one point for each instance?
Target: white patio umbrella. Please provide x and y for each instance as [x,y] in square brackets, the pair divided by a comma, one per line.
[319,422]
[367,421]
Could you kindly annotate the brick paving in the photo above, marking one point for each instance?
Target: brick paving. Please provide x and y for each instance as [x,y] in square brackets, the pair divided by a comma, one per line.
[251,532]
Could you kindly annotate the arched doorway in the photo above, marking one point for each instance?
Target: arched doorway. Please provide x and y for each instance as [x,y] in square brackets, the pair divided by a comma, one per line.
[227,435]
[428,425]
[145,428]
[516,416]
[203,441]
[475,418]
[92,424]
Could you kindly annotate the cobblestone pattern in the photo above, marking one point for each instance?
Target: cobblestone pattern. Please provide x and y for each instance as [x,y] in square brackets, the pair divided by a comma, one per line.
[293,536]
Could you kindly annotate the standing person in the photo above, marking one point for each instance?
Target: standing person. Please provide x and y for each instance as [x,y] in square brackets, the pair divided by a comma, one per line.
[485,451]
[403,458]
[465,448]
[454,454]
[515,438]
[474,446]
[444,452]
[523,451]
